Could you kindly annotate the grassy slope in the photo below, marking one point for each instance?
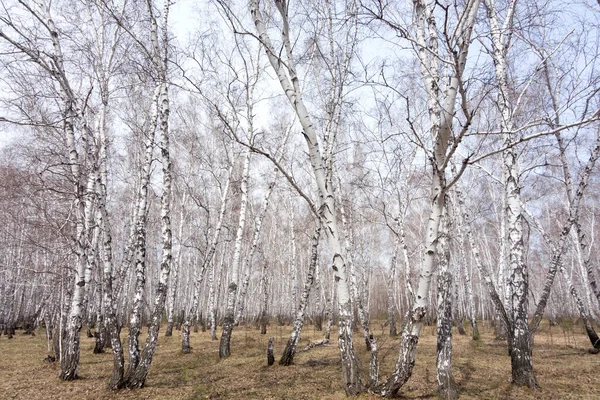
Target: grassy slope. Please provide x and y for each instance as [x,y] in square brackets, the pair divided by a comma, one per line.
[482,369]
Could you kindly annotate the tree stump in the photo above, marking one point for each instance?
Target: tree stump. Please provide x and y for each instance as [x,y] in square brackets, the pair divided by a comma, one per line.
[270,350]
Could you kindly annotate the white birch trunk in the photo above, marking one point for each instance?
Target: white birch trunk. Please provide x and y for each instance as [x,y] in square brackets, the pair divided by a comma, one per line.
[447,388]
[208,260]
[135,318]
[391,283]
[358,298]
[248,260]
[175,273]
[137,379]
[136,376]
[232,288]
[293,266]
[212,309]
[441,112]
[290,349]
[110,319]
[291,87]
[517,274]
[469,289]
[410,294]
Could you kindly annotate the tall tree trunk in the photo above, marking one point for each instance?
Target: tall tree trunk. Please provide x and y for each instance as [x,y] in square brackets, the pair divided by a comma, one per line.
[69,360]
[447,388]
[255,237]
[290,349]
[520,337]
[354,286]
[391,282]
[135,318]
[464,267]
[136,378]
[232,288]
[291,86]
[175,273]
[212,309]
[293,266]
[208,260]
[110,318]
[264,284]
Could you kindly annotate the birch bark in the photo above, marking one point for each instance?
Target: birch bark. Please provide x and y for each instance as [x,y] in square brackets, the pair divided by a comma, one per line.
[136,378]
[290,349]
[354,286]
[248,260]
[293,266]
[175,274]
[139,252]
[441,107]
[52,64]
[208,261]
[110,318]
[289,82]
[232,288]
[391,283]
[459,205]
[447,388]
[520,338]
[212,309]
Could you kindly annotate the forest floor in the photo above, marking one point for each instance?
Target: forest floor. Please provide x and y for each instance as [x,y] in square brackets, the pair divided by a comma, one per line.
[564,368]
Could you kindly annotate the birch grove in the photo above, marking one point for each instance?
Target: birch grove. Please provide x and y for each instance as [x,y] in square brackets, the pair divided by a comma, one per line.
[373,168]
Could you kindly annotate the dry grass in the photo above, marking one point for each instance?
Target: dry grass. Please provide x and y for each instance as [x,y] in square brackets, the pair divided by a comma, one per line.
[563,366]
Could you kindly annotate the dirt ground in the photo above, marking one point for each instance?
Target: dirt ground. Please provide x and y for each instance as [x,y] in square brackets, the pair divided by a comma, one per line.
[564,368]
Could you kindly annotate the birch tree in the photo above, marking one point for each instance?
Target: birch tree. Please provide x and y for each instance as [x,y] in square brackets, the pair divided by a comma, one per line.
[176,267]
[441,102]
[232,288]
[208,261]
[39,41]
[108,324]
[288,79]
[519,331]
[159,40]
[290,349]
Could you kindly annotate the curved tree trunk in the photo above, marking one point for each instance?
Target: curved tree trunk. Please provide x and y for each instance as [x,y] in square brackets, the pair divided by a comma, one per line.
[255,237]
[290,84]
[290,349]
